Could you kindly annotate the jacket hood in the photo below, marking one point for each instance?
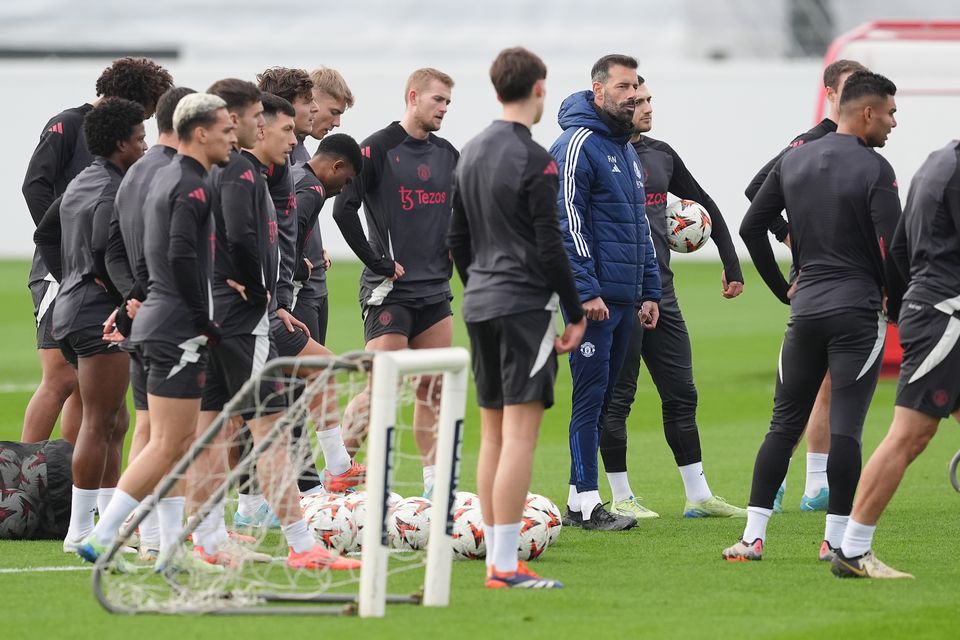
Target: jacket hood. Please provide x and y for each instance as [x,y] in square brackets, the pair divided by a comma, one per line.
[577,110]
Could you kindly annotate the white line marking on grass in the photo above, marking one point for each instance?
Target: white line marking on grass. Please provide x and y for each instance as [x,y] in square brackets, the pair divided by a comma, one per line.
[43,569]
[19,387]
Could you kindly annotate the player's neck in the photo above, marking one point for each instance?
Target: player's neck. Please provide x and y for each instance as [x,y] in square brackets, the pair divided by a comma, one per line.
[258,153]
[847,129]
[412,127]
[521,113]
[192,152]
[168,140]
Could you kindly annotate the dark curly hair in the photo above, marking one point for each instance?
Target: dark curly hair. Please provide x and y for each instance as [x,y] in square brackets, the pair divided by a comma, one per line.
[340,145]
[287,83]
[138,79]
[110,123]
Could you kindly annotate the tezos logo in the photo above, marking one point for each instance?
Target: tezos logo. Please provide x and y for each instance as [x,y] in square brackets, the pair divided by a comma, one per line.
[587,349]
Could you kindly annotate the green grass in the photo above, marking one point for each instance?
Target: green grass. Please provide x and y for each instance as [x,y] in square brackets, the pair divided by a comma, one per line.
[663,579]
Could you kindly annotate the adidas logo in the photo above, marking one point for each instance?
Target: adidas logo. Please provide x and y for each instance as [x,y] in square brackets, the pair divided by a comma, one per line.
[198,194]
[57,128]
[615,169]
[317,188]
[247,175]
[365,152]
[551,169]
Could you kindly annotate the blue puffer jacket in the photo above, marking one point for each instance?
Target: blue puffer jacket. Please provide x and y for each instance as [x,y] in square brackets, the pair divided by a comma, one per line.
[601,208]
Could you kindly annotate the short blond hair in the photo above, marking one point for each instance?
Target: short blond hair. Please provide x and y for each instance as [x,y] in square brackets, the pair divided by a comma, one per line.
[330,82]
[422,77]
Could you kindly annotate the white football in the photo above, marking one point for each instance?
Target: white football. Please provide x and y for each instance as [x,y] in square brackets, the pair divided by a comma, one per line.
[462,499]
[332,526]
[534,536]
[549,510]
[468,543]
[688,226]
[356,505]
[408,525]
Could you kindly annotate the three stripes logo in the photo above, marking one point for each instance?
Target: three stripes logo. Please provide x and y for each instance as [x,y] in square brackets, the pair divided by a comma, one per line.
[198,194]
[317,188]
[247,175]
[57,128]
[365,152]
[551,169]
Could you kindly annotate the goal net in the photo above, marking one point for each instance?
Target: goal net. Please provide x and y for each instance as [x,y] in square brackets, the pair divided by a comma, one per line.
[401,410]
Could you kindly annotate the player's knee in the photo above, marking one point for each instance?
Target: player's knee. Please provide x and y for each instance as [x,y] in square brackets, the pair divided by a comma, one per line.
[680,407]
[59,381]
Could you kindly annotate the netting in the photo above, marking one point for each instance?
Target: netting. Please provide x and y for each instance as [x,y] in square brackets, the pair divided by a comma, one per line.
[264,442]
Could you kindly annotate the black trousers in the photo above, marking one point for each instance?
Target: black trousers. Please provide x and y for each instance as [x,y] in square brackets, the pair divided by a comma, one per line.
[666,352]
[849,344]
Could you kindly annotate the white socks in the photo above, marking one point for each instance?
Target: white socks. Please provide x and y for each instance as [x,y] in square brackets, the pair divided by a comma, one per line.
[112,517]
[83,503]
[334,452]
[207,534]
[620,486]
[248,503]
[150,526]
[429,471]
[103,499]
[695,483]
[170,516]
[573,499]
[505,550]
[588,500]
[489,536]
[833,533]
[298,536]
[757,519]
[857,539]
[816,474]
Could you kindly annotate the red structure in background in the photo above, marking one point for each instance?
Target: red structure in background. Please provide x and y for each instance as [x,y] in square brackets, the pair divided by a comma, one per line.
[887,30]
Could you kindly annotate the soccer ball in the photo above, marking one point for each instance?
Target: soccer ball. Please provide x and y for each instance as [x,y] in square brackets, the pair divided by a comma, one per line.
[356,505]
[18,515]
[534,536]
[688,226]
[462,499]
[408,525]
[468,543]
[331,525]
[548,510]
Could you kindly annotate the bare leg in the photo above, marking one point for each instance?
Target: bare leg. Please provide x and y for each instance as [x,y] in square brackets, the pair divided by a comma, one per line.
[427,409]
[275,472]
[111,469]
[520,430]
[141,434]
[58,382]
[909,435]
[172,422]
[103,386]
[491,444]
[818,425]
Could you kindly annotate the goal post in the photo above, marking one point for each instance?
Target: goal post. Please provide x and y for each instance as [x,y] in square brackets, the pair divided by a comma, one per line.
[388,369]
[392,381]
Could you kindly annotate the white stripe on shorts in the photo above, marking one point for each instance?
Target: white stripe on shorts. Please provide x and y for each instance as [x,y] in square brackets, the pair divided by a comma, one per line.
[877,346]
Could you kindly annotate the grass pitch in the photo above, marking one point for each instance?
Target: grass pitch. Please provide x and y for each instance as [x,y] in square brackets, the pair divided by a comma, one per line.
[662,579]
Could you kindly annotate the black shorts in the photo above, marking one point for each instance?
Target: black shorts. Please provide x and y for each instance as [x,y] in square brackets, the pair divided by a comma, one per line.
[85,343]
[138,379]
[44,294]
[930,373]
[234,361]
[514,361]
[313,312]
[408,319]
[175,371]
[288,343]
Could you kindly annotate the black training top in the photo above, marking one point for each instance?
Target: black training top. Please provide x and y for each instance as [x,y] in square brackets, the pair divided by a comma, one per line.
[280,185]
[664,172]
[246,245]
[310,198]
[405,188]
[844,208]
[59,157]
[83,218]
[504,232]
[177,246]
[125,262]
[927,243]
[779,227]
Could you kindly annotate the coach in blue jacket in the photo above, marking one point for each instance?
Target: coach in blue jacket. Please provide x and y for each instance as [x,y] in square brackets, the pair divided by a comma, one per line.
[601,208]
